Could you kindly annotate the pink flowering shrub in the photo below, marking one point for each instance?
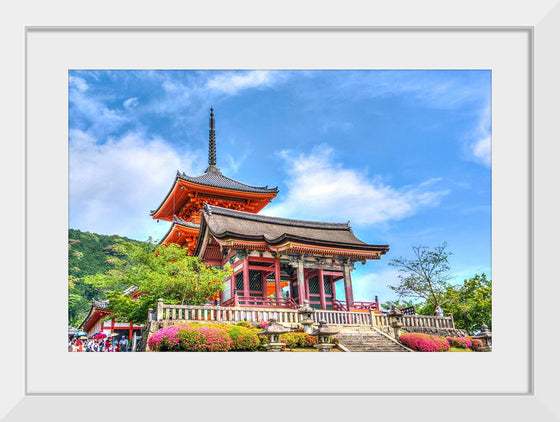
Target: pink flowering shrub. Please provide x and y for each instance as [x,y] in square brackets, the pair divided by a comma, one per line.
[460,342]
[262,324]
[424,342]
[191,338]
[476,344]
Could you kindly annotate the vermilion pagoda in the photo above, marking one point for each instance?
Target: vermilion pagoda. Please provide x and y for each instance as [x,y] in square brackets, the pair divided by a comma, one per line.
[277,262]
[187,196]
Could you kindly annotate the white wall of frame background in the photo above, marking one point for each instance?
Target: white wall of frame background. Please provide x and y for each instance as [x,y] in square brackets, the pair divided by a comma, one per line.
[51,387]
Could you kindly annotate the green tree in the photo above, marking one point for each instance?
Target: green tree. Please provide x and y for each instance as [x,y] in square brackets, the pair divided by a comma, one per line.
[398,303]
[163,271]
[471,303]
[425,276]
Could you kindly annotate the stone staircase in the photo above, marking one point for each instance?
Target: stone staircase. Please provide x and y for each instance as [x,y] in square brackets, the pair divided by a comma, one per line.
[368,340]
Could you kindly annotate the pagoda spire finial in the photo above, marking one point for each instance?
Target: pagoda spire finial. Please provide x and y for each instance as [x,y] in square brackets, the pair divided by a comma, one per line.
[212,143]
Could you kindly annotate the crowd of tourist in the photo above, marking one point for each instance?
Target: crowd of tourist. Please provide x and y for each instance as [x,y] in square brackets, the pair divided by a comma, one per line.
[111,344]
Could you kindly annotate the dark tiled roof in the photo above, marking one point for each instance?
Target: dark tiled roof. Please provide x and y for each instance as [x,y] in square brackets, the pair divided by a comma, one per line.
[225,223]
[214,177]
[181,222]
[212,209]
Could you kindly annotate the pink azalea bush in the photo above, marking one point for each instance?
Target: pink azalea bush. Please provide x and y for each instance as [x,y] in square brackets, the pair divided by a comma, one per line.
[191,338]
[424,342]
[476,344]
[262,324]
[460,342]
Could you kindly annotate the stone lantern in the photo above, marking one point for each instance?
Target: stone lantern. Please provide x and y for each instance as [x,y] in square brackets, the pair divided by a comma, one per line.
[305,313]
[395,320]
[323,334]
[486,336]
[273,332]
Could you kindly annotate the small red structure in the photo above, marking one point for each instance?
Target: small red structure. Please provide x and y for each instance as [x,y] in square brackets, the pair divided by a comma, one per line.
[93,322]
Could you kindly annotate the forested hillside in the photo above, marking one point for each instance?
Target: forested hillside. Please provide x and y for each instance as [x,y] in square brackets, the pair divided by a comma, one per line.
[87,255]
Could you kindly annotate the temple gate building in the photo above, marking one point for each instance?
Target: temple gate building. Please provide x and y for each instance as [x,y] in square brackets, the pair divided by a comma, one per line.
[277,262]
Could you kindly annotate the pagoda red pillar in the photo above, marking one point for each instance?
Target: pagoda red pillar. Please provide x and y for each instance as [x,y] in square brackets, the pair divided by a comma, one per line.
[277,284]
[322,290]
[348,287]
[246,276]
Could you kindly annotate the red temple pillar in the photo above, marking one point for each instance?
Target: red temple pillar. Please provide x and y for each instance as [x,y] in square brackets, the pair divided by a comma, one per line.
[264,284]
[277,283]
[300,281]
[322,290]
[306,283]
[348,287]
[246,275]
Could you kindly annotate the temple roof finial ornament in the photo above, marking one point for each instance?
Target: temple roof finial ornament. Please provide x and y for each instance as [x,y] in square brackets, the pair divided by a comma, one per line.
[212,144]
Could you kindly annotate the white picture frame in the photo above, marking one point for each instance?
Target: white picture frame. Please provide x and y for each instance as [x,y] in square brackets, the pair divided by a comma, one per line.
[540,24]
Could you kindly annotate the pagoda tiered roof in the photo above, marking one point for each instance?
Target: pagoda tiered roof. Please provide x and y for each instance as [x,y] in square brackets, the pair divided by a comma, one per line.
[213,177]
[188,194]
[242,230]
[183,233]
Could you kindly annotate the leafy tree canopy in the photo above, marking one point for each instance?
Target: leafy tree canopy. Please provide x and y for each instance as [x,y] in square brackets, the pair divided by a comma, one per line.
[471,303]
[163,271]
[424,280]
[425,276]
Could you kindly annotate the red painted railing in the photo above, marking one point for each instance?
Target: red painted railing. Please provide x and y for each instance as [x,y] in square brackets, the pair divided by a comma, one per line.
[261,302]
[341,305]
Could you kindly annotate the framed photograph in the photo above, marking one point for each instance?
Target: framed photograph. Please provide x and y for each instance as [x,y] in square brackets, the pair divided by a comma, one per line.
[516,380]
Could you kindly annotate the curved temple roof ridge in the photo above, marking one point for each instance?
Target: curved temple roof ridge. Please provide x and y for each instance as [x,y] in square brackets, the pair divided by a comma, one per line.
[216,179]
[180,221]
[212,209]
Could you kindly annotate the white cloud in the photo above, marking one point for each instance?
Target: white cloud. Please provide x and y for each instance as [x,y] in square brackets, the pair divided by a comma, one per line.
[232,82]
[480,146]
[102,119]
[481,150]
[321,189]
[78,83]
[113,186]
[367,285]
[130,103]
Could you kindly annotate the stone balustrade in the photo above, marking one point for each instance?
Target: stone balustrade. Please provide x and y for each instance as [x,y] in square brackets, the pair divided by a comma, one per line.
[209,313]
[342,317]
[222,314]
[416,321]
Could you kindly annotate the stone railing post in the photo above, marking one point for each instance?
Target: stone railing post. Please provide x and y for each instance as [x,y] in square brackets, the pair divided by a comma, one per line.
[159,315]
[150,314]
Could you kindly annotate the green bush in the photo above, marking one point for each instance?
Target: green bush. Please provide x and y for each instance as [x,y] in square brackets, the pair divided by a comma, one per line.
[244,324]
[295,340]
[243,338]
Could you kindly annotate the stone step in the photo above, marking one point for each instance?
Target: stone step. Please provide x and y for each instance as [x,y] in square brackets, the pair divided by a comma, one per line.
[367,341]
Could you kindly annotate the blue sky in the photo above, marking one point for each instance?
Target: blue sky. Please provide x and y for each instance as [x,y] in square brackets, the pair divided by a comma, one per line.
[403,155]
